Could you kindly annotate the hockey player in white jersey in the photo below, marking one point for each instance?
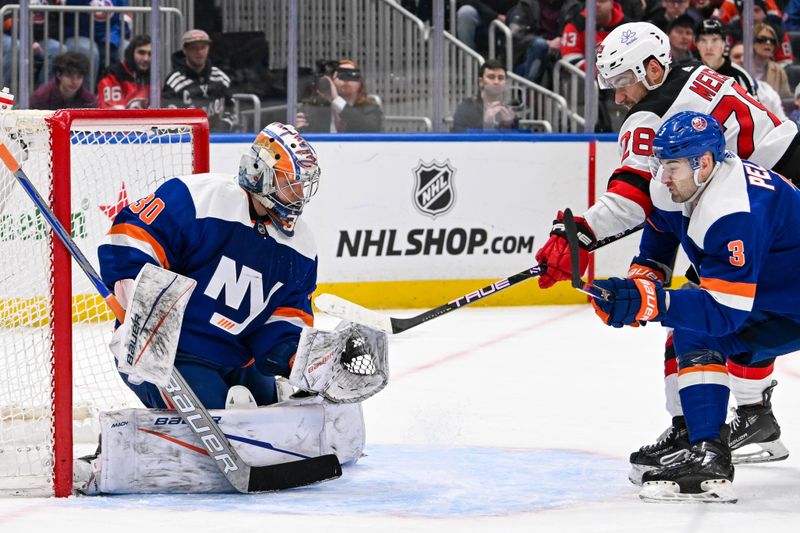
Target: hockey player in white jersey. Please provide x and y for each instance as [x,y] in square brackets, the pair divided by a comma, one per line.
[634,60]
[737,223]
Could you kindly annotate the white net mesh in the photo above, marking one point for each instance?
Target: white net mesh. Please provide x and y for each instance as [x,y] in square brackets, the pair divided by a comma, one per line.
[110,166]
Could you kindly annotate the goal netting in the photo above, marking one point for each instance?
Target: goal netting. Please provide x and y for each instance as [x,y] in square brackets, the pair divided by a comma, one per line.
[56,372]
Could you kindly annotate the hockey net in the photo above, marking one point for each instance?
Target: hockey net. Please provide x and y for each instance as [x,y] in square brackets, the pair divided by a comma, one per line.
[56,372]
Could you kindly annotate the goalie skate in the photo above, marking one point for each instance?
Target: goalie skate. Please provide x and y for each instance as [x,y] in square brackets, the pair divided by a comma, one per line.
[705,475]
[755,433]
[671,446]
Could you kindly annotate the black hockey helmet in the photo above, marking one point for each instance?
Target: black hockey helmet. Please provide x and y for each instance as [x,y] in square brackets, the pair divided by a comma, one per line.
[711,27]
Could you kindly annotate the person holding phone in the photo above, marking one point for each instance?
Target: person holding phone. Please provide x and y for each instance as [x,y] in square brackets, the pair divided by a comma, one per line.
[345,104]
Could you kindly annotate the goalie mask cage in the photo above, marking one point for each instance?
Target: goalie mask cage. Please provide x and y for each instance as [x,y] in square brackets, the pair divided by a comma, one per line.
[56,372]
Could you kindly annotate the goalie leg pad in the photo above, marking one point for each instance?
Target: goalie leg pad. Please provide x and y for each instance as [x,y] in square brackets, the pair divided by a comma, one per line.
[154,451]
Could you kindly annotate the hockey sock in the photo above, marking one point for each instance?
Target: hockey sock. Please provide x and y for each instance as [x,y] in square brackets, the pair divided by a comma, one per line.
[704,392]
[749,382]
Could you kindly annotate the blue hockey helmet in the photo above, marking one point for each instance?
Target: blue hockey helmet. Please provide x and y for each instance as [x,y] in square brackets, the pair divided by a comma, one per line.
[281,170]
[689,135]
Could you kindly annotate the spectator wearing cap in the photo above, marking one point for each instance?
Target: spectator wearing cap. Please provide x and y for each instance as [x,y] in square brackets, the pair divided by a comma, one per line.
[341,104]
[195,82]
[65,90]
[127,84]
[711,44]
[681,39]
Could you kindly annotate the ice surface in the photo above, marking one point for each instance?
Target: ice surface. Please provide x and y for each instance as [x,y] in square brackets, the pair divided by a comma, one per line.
[515,419]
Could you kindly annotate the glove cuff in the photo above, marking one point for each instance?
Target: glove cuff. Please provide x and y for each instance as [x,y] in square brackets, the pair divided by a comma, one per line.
[586,238]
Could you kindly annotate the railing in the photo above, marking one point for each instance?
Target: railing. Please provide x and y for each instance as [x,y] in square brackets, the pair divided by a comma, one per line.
[493,27]
[393,49]
[170,37]
[568,81]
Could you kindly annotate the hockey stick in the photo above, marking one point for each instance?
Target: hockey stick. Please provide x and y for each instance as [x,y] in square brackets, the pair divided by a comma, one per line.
[571,233]
[243,477]
[345,309]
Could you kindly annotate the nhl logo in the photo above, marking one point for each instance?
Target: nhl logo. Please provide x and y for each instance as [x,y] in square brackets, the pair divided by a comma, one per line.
[433,192]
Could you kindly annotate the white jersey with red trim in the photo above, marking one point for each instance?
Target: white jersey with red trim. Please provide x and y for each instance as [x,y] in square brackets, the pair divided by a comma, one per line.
[254,283]
[751,131]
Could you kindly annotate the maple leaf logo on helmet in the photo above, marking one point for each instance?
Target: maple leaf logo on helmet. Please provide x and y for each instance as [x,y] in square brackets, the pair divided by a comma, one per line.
[628,37]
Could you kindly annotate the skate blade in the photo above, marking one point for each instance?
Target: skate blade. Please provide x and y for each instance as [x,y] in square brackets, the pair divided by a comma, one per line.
[636,473]
[714,491]
[761,452]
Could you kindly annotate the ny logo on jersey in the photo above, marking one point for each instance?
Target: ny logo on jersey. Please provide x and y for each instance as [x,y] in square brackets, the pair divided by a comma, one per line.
[225,279]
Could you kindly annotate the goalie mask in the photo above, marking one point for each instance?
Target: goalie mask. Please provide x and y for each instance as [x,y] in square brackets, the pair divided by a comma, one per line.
[281,171]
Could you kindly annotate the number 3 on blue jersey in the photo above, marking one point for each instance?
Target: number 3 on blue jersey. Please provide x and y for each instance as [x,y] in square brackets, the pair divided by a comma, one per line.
[736,248]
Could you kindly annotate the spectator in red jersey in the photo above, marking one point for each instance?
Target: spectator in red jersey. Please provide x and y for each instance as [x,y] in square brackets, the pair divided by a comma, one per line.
[763,13]
[65,90]
[573,39]
[127,84]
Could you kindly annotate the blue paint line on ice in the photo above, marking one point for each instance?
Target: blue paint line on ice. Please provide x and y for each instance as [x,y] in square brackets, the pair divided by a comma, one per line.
[488,343]
[417,481]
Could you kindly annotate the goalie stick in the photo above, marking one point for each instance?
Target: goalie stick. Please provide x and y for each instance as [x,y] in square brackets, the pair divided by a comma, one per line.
[347,310]
[243,477]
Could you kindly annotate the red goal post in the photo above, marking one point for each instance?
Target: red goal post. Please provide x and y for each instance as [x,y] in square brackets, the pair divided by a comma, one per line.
[55,370]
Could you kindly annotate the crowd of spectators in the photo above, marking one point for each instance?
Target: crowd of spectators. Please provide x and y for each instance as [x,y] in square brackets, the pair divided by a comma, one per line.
[70,72]
[545,31]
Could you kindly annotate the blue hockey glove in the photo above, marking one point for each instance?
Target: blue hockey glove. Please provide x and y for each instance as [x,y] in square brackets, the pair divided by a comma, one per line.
[630,301]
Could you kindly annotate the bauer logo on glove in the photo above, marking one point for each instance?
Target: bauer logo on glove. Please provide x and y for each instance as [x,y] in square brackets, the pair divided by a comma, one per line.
[629,301]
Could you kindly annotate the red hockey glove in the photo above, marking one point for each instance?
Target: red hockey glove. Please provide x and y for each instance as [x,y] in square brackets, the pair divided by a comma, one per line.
[555,252]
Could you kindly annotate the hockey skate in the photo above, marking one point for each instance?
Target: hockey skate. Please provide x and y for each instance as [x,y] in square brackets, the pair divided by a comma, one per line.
[671,446]
[755,434]
[704,475]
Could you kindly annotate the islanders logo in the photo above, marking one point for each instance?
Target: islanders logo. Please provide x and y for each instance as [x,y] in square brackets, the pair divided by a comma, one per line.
[699,123]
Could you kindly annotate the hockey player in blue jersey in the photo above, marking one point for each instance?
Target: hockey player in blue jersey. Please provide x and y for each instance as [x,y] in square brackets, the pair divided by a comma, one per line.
[735,220]
[253,258]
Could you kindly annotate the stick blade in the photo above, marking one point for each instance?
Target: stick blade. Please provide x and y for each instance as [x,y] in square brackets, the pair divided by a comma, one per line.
[294,474]
[346,310]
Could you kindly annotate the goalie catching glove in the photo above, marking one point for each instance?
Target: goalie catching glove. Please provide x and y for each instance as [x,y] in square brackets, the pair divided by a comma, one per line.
[145,344]
[629,301]
[555,252]
[348,364]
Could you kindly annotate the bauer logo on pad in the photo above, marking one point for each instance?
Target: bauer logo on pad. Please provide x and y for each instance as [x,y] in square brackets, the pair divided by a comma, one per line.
[433,188]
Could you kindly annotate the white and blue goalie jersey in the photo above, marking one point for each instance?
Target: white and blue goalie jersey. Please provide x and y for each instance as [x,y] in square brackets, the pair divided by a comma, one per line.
[253,290]
[743,238]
